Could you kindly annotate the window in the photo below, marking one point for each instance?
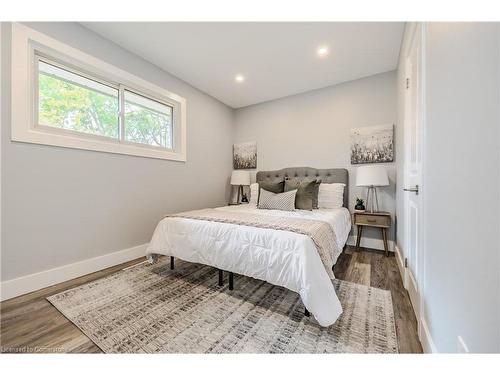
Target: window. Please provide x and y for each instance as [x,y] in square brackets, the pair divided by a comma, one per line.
[147,121]
[80,102]
[70,101]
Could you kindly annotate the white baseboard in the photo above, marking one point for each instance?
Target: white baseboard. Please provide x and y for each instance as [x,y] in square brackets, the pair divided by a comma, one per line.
[30,283]
[424,334]
[426,339]
[372,243]
[401,263]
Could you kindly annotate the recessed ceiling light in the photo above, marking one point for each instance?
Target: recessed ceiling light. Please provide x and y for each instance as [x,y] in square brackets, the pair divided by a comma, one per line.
[322,51]
[239,78]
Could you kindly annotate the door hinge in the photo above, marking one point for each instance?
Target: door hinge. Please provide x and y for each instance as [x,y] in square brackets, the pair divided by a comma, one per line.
[406,262]
[407,83]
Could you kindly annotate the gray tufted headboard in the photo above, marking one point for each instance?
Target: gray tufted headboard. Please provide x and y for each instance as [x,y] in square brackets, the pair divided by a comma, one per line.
[328,176]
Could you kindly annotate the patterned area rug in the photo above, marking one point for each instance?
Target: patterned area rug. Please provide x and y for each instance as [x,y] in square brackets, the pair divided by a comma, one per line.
[151,309]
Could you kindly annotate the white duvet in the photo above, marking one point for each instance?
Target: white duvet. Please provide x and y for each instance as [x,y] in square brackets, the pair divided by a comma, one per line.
[279,257]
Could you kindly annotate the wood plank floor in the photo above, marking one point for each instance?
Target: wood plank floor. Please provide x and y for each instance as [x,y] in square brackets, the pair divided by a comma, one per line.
[29,324]
[373,268]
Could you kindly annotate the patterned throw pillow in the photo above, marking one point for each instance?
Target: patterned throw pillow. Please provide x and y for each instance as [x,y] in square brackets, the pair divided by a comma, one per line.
[274,187]
[281,201]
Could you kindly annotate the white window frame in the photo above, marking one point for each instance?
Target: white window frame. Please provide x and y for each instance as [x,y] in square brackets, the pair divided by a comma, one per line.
[29,45]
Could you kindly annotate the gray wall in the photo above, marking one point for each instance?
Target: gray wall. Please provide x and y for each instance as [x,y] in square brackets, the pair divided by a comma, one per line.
[65,205]
[462,187]
[313,129]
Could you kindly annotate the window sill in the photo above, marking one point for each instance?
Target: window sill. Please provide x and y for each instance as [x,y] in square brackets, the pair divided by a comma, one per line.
[84,143]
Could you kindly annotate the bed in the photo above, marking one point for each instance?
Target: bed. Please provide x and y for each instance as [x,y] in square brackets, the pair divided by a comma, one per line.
[280,257]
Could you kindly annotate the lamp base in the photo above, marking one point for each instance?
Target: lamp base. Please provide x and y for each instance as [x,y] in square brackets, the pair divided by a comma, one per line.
[240,192]
[371,205]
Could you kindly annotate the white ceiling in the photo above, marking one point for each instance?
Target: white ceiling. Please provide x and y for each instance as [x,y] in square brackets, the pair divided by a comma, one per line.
[276,59]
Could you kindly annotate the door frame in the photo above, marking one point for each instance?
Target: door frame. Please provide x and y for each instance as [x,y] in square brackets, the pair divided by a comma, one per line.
[416,29]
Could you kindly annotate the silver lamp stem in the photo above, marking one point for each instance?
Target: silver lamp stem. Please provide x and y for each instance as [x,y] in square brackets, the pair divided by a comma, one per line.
[372,199]
[240,188]
[368,197]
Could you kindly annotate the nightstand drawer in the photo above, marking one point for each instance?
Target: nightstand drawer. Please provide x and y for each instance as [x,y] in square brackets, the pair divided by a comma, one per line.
[372,220]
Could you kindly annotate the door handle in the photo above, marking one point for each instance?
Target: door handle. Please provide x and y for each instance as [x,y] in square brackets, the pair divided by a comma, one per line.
[412,190]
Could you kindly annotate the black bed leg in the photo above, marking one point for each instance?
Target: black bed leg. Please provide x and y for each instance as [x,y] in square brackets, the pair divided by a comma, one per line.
[306,312]
[221,278]
[231,280]
[171,263]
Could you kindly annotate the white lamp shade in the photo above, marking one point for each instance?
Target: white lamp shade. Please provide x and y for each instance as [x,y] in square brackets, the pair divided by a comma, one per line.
[372,175]
[240,178]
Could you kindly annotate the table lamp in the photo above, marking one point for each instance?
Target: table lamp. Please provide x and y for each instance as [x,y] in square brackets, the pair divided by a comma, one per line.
[372,176]
[240,178]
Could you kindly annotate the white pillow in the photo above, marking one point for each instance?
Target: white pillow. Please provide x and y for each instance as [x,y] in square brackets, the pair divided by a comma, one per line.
[331,195]
[277,201]
[254,193]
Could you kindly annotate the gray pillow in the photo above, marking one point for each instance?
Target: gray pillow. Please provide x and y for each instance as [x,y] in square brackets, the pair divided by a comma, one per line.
[274,187]
[307,192]
[316,193]
[277,201]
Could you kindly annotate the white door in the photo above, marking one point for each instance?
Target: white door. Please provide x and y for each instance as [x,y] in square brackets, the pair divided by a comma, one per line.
[413,167]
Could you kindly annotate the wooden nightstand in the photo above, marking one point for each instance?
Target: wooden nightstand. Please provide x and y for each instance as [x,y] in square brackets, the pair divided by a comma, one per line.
[380,220]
